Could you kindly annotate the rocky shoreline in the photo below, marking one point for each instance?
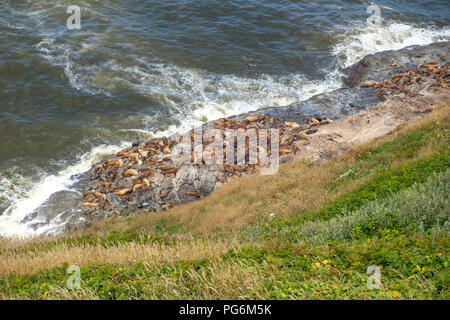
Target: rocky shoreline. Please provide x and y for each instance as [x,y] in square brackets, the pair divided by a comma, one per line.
[381,93]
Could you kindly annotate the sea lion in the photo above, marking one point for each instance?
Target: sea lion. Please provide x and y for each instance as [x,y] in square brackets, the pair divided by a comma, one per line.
[98,169]
[369,84]
[129,199]
[144,153]
[91,204]
[149,148]
[131,172]
[110,189]
[170,170]
[290,140]
[102,184]
[138,186]
[234,167]
[129,165]
[313,122]
[159,164]
[292,124]
[148,173]
[381,94]
[193,194]
[146,182]
[163,195]
[251,119]
[98,194]
[285,150]
[326,120]
[123,192]
[304,136]
[134,157]
[401,75]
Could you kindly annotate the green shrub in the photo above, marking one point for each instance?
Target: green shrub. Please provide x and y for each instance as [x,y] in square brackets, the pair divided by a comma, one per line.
[423,208]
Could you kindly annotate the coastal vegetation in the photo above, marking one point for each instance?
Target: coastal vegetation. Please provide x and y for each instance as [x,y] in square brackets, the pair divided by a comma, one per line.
[309,232]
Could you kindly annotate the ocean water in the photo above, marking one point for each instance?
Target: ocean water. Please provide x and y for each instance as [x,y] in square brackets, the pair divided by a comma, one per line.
[138,69]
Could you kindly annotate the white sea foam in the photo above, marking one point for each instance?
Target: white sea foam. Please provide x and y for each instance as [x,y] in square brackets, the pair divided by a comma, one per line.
[27,196]
[363,40]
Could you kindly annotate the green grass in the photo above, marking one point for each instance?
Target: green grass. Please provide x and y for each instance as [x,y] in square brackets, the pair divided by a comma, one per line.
[423,208]
[413,266]
[385,183]
[400,148]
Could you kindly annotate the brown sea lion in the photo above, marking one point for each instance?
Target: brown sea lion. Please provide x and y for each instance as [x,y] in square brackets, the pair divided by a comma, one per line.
[148,173]
[326,120]
[123,192]
[193,194]
[292,124]
[146,182]
[138,186]
[163,195]
[131,172]
[304,136]
[313,122]
[251,119]
[170,170]
[91,204]
[98,194]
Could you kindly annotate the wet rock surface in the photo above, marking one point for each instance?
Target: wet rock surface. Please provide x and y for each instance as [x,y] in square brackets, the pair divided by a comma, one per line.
[149,177]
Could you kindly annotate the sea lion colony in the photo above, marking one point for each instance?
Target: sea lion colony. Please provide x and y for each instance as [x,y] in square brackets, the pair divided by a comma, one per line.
[131,171]
[134,171]
[410,81]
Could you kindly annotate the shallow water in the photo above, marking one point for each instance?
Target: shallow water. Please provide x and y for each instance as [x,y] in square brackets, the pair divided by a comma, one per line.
[138,69]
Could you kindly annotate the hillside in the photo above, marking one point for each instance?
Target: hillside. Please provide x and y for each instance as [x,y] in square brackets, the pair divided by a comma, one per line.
[309,232]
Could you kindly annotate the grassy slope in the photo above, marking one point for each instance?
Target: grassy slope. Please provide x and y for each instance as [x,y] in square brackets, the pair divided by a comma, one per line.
[385,204]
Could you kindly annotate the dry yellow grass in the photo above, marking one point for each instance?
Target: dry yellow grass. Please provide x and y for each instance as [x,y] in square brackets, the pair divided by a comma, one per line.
[219,280]
[122,254]
[241,201]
